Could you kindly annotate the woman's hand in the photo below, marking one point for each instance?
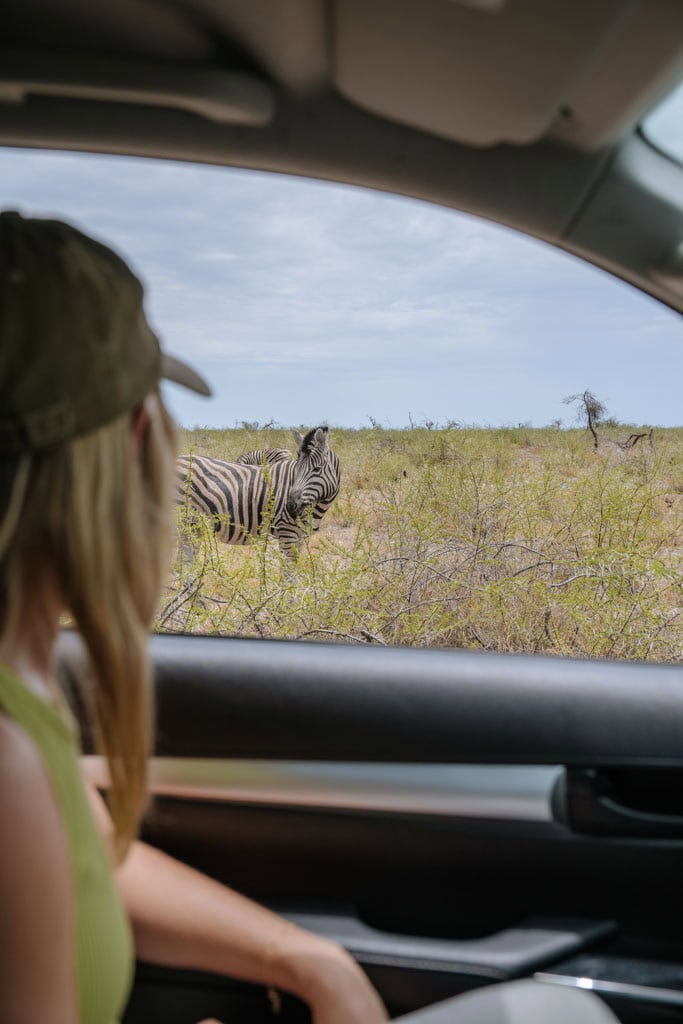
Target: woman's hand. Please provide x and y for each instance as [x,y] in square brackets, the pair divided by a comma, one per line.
[334,986]
[347,997]
[331,982]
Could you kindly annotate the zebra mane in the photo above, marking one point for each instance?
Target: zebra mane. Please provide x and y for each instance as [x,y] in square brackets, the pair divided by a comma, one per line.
[307,442]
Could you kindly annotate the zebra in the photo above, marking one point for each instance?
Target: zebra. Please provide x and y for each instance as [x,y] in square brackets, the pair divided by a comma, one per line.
[265,456]
[289,493]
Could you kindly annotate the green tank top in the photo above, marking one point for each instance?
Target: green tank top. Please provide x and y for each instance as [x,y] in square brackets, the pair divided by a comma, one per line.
[104,948]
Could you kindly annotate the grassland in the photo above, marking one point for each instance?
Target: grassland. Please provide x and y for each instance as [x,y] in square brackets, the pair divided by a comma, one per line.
[497,539]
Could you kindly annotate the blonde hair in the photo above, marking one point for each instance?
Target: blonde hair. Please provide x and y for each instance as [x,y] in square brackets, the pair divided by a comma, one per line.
[98,513]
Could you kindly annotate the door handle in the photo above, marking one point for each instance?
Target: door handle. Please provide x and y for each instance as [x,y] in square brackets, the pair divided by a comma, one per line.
[635,803]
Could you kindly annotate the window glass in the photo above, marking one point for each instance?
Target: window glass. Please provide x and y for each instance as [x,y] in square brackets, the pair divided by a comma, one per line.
[455,364]
[664,126]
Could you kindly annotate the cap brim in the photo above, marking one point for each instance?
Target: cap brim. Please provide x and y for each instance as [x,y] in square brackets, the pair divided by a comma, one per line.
[180,373]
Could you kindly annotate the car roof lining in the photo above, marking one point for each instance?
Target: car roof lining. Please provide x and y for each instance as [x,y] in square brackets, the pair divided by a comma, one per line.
[476,73]
[512,75]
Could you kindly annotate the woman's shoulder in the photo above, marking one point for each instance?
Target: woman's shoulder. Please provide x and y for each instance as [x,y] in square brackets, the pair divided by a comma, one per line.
[27,797]
[21,762]
[35,881]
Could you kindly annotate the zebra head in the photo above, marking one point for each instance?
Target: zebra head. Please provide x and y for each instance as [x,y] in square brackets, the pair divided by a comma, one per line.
[316,476]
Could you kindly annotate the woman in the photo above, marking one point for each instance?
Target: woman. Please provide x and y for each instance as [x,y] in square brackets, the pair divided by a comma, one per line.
[86,463]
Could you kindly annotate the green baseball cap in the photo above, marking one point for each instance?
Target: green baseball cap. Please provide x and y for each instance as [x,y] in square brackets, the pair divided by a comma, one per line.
[76,350]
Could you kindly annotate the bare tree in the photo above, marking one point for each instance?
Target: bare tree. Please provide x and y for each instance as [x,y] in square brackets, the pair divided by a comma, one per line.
[591,411]
[633,439]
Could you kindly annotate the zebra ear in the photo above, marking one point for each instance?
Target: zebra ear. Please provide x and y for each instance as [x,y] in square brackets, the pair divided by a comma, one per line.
[321,436]
[298,437]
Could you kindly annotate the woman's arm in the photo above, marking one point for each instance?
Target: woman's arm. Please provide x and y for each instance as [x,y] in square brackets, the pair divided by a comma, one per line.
[182,918]
[37,954]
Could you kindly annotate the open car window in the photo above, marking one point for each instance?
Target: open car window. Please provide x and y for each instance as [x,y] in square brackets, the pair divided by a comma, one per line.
[506,418]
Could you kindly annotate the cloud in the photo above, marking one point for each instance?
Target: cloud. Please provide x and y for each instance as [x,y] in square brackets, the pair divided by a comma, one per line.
[215,256]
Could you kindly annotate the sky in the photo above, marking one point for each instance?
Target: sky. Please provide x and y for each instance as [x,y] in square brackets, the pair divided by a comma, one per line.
[307,303]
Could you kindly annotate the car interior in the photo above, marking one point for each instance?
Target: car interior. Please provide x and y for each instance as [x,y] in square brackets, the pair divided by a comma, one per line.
[454,818]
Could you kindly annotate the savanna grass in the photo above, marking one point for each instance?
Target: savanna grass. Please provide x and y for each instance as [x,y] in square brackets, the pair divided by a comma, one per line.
[507,540]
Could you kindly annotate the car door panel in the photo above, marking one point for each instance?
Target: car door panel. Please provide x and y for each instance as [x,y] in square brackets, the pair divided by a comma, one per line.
[238,697]
[421,807]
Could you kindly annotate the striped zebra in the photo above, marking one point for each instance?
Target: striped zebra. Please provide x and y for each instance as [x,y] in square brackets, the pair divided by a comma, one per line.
[265,456]
[289,493]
